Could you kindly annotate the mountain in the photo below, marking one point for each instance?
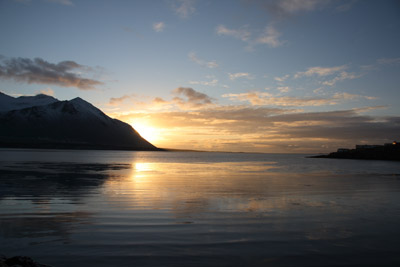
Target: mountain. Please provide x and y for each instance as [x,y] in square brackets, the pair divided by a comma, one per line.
[42,121]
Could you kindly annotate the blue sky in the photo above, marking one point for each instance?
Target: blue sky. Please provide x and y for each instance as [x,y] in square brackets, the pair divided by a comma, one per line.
[181,72]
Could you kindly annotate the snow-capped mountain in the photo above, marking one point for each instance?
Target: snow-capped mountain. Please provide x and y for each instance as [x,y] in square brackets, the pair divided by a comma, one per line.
[43,121]
[8,103]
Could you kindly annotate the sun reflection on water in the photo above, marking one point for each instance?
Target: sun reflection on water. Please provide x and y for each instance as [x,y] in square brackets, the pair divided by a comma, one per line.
[190,187]
[141,169]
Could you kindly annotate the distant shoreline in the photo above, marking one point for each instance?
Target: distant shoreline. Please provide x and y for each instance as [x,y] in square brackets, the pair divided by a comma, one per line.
[333,156]
[389,151]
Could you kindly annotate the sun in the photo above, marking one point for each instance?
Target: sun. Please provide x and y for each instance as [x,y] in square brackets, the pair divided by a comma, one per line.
[149,133]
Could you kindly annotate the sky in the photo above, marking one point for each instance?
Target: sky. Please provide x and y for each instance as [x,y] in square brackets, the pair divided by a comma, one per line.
[288,76]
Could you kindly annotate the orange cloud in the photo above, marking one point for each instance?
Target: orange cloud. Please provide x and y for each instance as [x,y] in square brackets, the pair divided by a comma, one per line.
[263,129]
[257,98]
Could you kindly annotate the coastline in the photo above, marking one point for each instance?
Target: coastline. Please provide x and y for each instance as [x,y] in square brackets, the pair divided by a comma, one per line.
[389,151]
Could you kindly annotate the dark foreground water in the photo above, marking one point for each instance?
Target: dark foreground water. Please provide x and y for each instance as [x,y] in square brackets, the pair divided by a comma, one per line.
[114,208]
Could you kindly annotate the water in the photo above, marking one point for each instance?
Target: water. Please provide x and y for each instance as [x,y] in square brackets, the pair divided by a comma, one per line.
[118,208]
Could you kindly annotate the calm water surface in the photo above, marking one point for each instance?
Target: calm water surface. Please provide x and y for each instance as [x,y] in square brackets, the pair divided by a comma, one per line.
[117,208]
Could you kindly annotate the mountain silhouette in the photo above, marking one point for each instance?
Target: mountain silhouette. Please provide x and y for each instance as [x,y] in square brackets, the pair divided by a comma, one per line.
[42,121]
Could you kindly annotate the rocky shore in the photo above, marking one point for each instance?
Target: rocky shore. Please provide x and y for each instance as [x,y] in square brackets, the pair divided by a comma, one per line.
[19,261]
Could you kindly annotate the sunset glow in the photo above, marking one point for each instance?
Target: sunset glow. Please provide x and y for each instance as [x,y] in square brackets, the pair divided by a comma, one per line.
[149,133]
[253,76]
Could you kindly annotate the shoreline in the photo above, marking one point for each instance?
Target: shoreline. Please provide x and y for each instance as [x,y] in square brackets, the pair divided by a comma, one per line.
[390,152]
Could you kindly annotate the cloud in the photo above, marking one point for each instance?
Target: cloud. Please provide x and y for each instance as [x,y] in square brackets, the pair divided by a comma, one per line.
[351,127]
[213,82]
[47,91]
[286,8]
[234,76]
[388,61]
[42,72]
[341,77]
[61,2]
[118,100]
[265,129]
[158,26]
[267,99]
[320,71]
[380,63]
[184,8]
[242,33]
[209,64]
[283,89]
[280,9]
[193,99]
[270,37]
[184,98]
[339,71]
[347,96]
[282,79]
[367,109]
[159,100]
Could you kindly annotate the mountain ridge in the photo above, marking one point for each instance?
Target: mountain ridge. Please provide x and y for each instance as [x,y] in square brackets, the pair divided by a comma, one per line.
[8,103]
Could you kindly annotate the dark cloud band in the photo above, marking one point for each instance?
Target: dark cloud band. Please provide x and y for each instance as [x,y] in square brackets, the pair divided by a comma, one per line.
[42,72]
